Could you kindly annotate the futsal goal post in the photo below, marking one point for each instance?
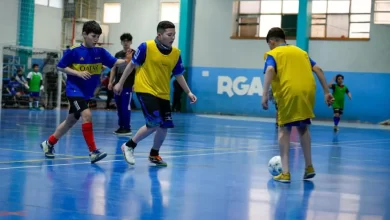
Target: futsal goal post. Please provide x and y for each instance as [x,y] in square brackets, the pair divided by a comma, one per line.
[16,64]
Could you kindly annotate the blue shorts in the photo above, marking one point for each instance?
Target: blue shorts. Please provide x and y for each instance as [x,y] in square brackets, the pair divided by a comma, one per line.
[301,123]
[34,94]
[157,111]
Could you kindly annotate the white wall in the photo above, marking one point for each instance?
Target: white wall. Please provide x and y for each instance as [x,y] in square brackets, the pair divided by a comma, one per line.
[9,13]
[140,18]
[47,27]
[213,47]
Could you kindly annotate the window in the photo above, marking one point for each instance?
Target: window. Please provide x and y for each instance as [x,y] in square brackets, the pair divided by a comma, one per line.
[170,11]
[51,3]
[382,12]
[112,13]
[330,18]
[341,19]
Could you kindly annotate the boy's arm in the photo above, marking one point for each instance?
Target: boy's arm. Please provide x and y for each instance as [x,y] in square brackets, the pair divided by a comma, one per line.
[349,94]
[137,60]
[269,74]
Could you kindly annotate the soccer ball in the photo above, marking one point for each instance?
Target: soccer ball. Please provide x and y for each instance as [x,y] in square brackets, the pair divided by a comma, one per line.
[275,166]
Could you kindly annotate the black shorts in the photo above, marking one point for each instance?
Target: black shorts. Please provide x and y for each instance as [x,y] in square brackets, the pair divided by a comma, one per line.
[77,105]
[338,110]
[157,111]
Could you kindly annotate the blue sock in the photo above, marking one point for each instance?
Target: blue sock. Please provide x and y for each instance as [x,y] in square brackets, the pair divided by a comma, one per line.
[336,120]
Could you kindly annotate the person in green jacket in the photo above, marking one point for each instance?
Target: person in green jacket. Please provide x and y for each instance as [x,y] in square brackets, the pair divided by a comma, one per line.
[339,91]
[35,84]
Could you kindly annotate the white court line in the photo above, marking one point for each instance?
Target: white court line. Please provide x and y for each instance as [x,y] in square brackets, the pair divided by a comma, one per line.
[191,155]
[320,123]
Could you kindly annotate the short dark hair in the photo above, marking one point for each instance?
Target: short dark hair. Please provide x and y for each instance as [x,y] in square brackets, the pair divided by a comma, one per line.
[92,27]
[126,36]
[35,65]
[339,75]
[163,25]
[276,33]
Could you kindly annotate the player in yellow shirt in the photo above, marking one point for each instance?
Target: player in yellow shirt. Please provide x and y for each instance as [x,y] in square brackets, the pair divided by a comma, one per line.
[290,71]
[155,61]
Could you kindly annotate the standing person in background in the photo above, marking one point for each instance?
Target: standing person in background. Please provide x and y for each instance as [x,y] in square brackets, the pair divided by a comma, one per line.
[123,100]
[35,83]
[339,91]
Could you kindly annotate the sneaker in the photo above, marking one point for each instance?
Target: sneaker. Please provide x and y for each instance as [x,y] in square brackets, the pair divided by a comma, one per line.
[283,177]
[336,128]
[309,172]
[158,161]
[128,153]
[96,155]
[123,132]
[48,149]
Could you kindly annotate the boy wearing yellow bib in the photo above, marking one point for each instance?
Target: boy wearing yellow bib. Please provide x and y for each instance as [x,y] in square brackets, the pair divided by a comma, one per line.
[155,61]
[290,71]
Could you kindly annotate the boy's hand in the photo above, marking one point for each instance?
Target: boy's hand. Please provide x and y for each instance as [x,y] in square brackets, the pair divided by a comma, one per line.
[84,75]
[192,98]
[110,86]
[329,99]
[264,102]
[118,88]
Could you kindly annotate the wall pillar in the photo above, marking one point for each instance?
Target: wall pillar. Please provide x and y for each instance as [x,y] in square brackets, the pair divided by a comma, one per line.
[185,40]
[304,24]
[26,29]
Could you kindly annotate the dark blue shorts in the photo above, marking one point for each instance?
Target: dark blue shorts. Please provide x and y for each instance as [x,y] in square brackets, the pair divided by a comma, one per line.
[300,123]
[157,111]
[34,94]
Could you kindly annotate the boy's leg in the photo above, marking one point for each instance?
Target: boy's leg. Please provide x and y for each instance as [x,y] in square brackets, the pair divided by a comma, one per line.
[284,146]
[150,108]
[125,112]
[305,139]
[336,117]
[119,112]
[161,132]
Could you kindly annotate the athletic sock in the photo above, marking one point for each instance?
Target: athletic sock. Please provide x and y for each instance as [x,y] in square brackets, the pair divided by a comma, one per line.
[131,144]
[88,136]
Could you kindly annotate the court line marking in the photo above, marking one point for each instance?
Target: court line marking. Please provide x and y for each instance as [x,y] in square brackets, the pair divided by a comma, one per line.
[168,156]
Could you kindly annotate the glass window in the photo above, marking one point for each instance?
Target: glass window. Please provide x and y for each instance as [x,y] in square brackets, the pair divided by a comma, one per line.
[170,11]
[112,13]
[318,31]
[249,7]
[338,6]
[42,2]
[359,30]
[337,26]
[290,7]
[271,7]
[56,3]
[360,18]
[360,6]
[267,22]
[318,6]
[382,6]
[381,18]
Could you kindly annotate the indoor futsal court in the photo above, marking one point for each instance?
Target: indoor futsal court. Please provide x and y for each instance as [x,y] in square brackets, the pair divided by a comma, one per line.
[217,169]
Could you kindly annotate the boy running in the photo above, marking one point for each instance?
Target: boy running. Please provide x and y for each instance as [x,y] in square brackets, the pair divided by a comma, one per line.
[83,64]
[156,60]
[339,91]
[289,69]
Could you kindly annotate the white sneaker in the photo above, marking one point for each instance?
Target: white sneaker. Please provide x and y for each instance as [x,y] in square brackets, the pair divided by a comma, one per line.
[128,153]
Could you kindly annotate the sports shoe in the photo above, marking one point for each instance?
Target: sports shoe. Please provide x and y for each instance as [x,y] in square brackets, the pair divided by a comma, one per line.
[96,155]
[48,149]
[128,153]
[123,132]
[309,172]
[158,161]
[283,177]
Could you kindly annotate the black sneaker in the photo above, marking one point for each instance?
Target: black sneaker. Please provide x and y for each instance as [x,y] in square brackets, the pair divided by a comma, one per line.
[123,132]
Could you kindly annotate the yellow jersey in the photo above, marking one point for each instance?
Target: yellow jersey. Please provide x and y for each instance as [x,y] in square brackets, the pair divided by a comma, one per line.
[293,86]
[154,71]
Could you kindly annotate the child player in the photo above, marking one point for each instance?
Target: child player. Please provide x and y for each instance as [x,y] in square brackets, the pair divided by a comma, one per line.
[83,64]
[339,91]
[156,60]
[289,69]
[35,85]
[124,99]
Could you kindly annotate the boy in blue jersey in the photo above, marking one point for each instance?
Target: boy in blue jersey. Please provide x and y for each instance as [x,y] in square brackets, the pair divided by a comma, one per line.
[83,65]
[156,61]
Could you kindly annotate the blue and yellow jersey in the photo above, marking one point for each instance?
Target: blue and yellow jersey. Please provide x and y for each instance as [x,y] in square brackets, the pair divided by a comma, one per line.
[81,58]
[294,85]
[155,68]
